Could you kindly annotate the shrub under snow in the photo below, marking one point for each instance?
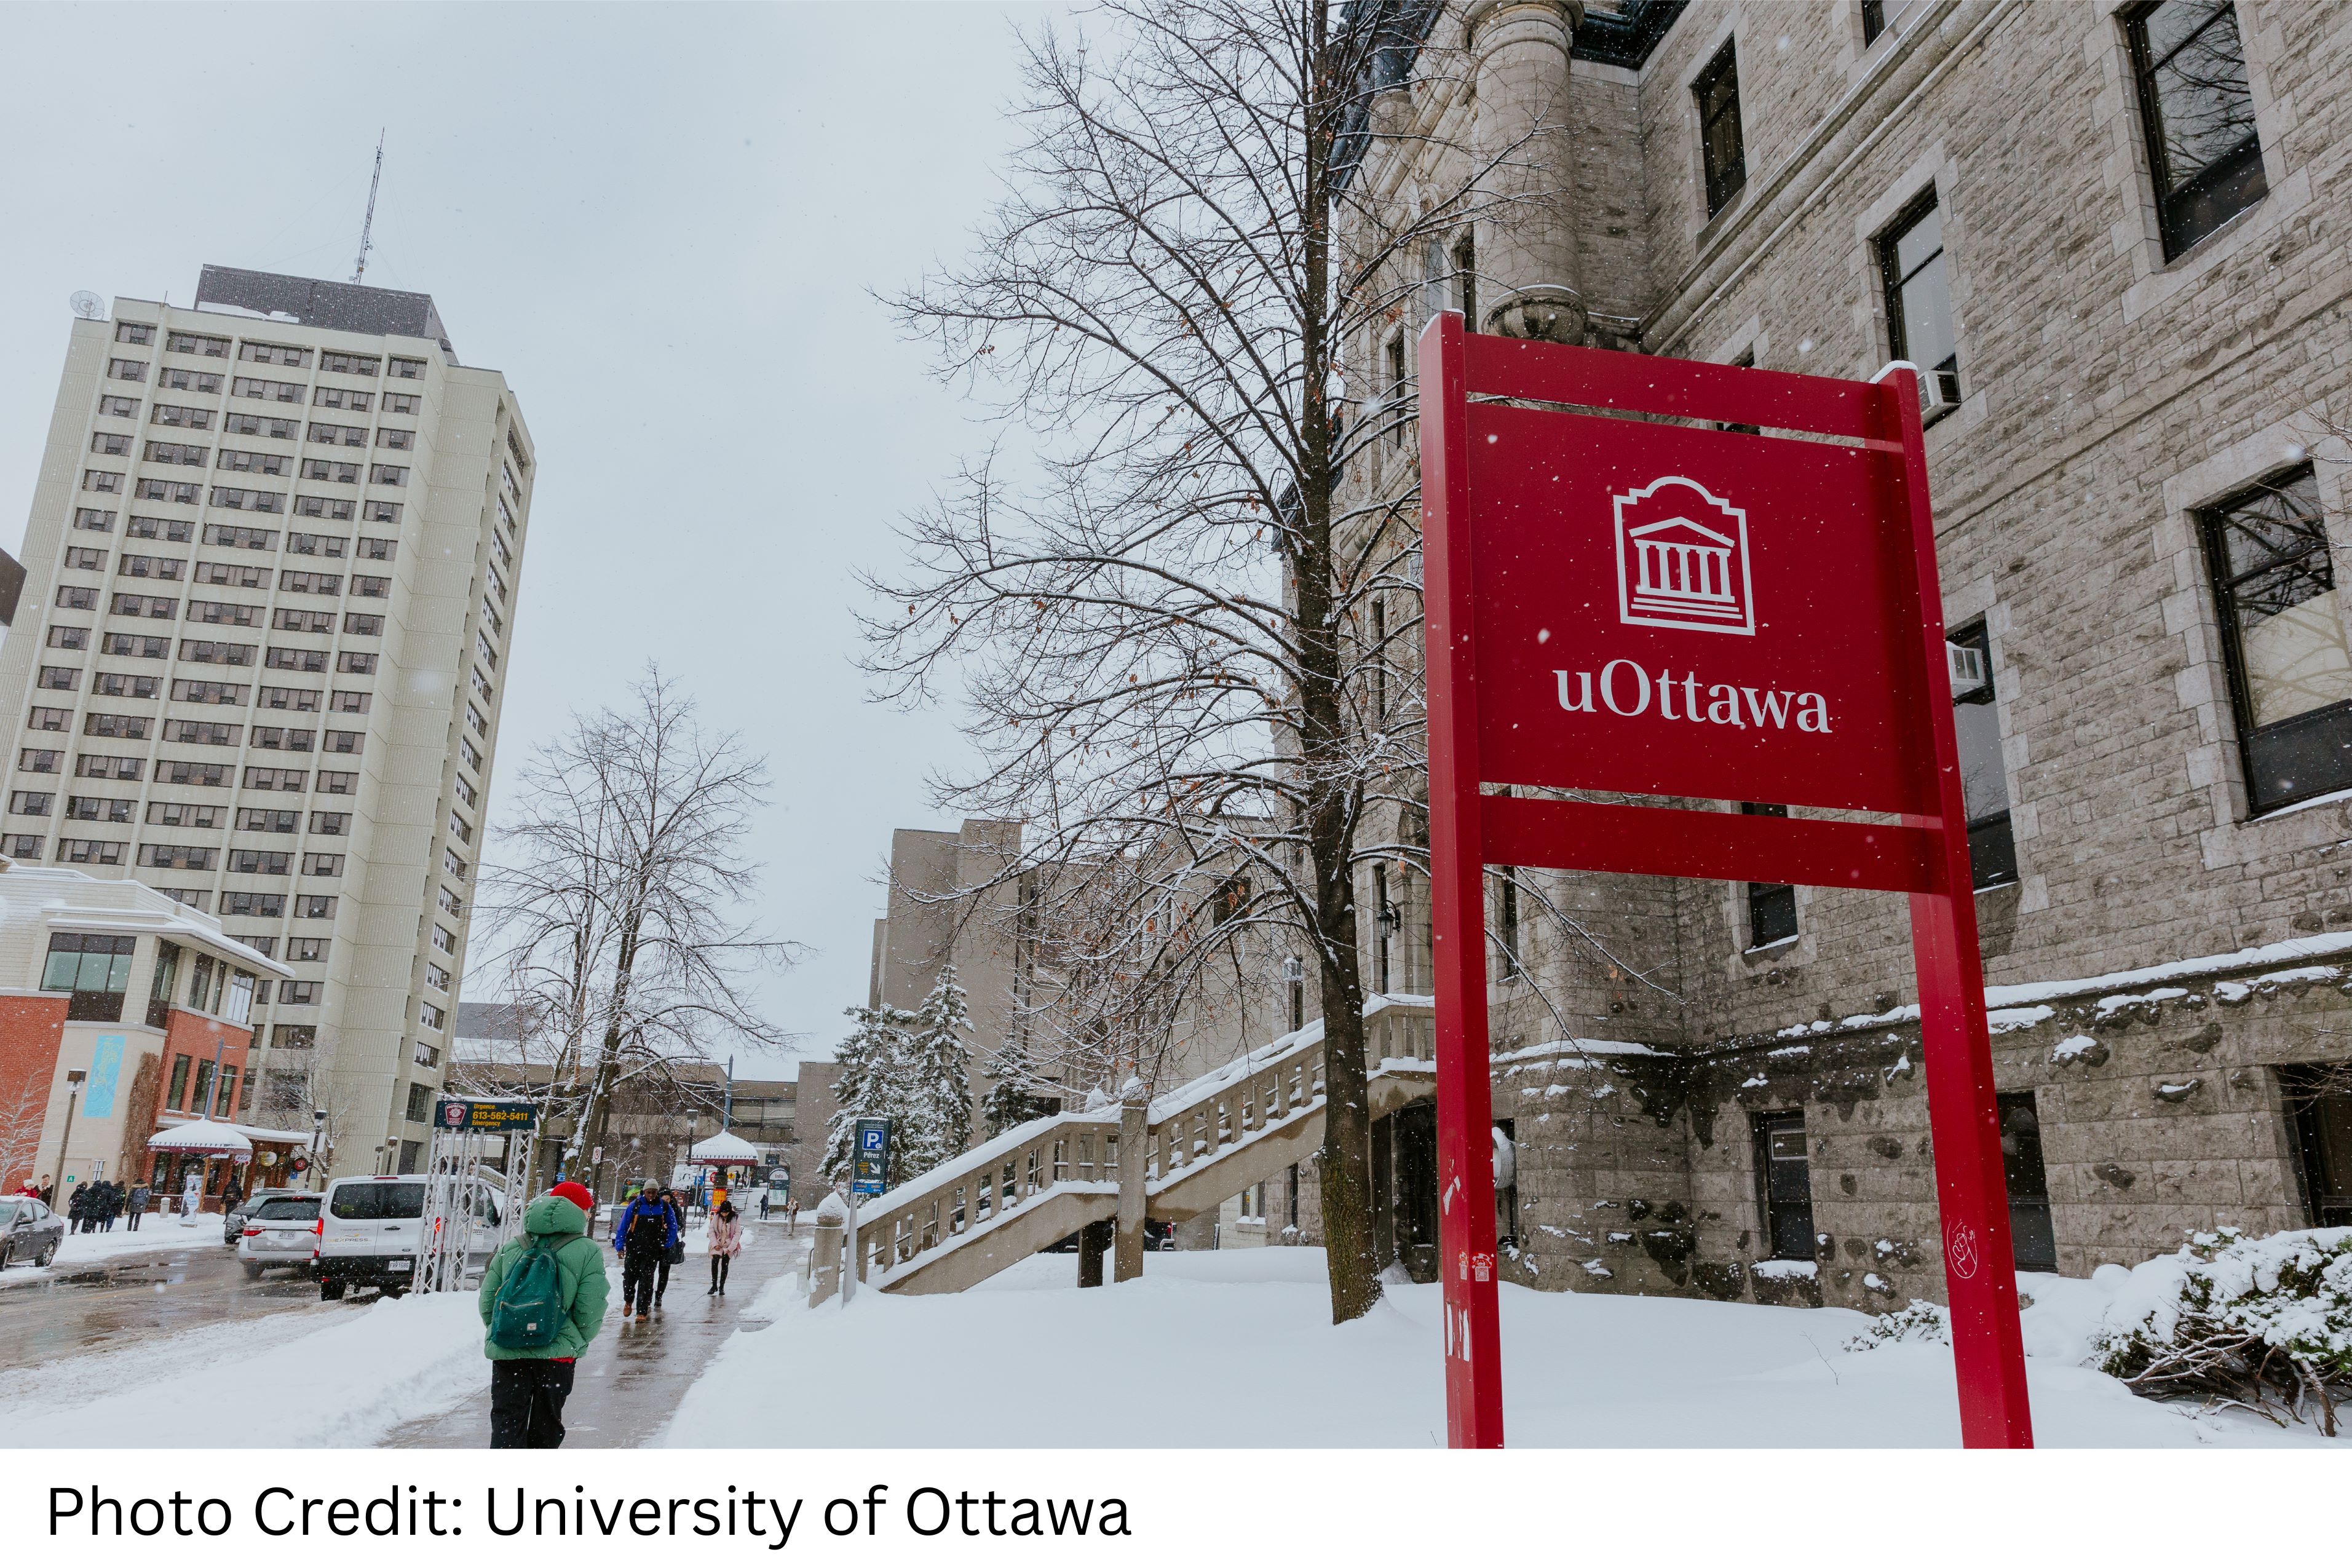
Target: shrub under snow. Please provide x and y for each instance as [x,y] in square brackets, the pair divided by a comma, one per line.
[2265,1322]
[1921,1322]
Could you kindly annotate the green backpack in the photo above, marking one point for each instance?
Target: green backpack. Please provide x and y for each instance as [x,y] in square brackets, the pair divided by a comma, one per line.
[528,1313]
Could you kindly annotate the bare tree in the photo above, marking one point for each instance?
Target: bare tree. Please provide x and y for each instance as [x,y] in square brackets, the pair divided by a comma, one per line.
[1180,635]
[21,1121]
[613,905]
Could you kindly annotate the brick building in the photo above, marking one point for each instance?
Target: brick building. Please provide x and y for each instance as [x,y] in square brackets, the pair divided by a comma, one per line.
[123,1012]
[2114,237]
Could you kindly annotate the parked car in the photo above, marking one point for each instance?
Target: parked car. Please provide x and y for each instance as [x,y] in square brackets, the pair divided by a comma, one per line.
[280,1229]
[30,1230]
[369,1226]
[233,1220]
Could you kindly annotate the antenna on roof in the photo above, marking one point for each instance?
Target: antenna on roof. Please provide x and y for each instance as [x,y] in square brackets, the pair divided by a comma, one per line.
[366,245]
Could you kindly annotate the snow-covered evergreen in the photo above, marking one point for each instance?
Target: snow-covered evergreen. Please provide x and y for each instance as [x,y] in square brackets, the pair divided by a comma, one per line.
[872,1081]
[936,1078]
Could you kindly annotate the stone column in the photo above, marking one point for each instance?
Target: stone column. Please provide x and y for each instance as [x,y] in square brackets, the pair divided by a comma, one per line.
[825,1251]
[1528,280]
[1096,1239]
[1134,1140]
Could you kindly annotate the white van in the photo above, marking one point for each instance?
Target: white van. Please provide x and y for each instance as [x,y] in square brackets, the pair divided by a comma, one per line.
[369,1227]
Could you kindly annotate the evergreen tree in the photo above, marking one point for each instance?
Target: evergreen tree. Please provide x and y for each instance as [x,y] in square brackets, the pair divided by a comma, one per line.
[935,1080]
[1009,1103]
[872,1083]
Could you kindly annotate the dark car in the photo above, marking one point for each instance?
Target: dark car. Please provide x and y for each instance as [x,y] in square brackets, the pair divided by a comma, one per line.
[29,1232]
[233,1220]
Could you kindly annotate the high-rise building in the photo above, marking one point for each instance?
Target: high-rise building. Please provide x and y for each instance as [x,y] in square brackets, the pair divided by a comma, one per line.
[271,574]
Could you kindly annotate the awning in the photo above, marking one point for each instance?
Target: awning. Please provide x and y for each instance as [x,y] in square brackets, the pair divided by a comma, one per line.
[723,1149]
[201,1138]
[281,1135]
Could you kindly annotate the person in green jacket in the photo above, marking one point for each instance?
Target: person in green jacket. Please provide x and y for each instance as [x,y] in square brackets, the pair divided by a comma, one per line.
[528,1387]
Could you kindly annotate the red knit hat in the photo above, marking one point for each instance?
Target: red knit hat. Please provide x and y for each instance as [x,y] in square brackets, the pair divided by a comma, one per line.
[580,1197]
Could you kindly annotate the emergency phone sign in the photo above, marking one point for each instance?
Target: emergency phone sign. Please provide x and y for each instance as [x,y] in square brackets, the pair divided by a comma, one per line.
[1658,578]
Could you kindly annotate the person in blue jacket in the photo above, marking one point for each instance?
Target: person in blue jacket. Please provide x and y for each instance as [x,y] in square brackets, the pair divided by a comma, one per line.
[649,1229]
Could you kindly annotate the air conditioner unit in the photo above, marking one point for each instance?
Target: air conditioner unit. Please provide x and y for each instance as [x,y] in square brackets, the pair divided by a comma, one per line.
[1969,674]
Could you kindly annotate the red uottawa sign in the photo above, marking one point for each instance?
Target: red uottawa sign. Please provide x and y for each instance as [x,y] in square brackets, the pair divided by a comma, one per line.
[1732,600]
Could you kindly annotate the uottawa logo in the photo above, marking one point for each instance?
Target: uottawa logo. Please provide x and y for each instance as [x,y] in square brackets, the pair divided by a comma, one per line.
[1682,559]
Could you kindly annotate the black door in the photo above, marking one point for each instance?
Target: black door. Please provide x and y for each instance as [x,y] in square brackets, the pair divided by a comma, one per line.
[1784,1184]
[1415,1131]
[2032,1240]
[2323,1125]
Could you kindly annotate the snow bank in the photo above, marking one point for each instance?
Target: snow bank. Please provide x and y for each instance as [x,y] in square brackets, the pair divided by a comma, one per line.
[156,1233]
[339,1386]
[1237,1349]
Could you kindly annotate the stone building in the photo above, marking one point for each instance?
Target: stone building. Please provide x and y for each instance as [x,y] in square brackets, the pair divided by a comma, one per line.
[2114,237]
[270,569]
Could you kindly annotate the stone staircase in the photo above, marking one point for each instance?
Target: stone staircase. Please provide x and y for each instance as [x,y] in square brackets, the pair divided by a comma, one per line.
[1197,1145]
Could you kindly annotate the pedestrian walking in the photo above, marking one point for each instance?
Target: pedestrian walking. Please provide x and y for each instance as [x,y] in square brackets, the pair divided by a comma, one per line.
[77,1210]
[139,1196]
[109,1202]
[543,1300]
[763,1205]
[49,1193]
[677,1252]
[649,1229]
[726,1241]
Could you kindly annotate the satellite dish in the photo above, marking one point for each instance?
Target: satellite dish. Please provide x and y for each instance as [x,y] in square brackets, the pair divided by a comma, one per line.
[87,306]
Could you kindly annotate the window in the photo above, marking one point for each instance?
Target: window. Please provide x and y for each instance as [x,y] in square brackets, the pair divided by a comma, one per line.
[22,845]
[2282,639]
[451,863]
[349,703]
[267,819]
[293,1037]
[195,343]
[466,754]
[401,402]
[310,582]
[380,512]
[223,575]
[108,444]
[2199,114]
[203,775]
[348,364]
[435,977]
[60,678]
[347,743]
[122,768]
[332,473]
[342,397]
[189,381]
[73,639]
[110,684]
[259,862]
[176,414]
[289,620]
[73,598]
[51,718]
[429,1015]
[117,726]
[264,906]
[363,626]
[444,943]
[108,483]
[277,779]
[2033,1241]
[216,613]
[240,537]
[1507,918]
[1919,300]
[32,803]
[268,738]
[229,499]
[331,823]
[165,567]
[178,856]
[37,762]
[315,865]
[177,529]
[313,661]
[1784,1184]
[80,559]
[1984,778]
[1465,278]
[90,851]
[129,647]
[1721,152]
[398,441]
[314,907]
[407,370]
[2319,1100]
[126,370]
[370,587]
[468,794]
[376,548]
[332,783]
[274,353]
[327,506]
[215,691]
[316,544]
[300,993]
[183,813]
[450,902]
[180,452]
[134,333]
[262,425]
[288,699]
[95,969]
[307,950]
[1395,411]
[90,518]
[1771,906]
[240,653]
[268,390]
[146,606]
[386,473]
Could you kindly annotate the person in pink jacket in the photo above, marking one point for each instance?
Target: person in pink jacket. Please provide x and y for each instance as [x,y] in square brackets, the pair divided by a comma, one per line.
[726,1241]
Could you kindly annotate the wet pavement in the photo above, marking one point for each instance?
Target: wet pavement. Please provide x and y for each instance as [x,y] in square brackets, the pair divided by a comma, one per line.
[635,1372]
[113,1305]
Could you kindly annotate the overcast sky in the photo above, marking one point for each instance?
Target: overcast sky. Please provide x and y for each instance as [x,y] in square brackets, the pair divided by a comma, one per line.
[659,223]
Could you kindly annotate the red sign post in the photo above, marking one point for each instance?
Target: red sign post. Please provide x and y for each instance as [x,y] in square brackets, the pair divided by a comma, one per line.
[1685,605]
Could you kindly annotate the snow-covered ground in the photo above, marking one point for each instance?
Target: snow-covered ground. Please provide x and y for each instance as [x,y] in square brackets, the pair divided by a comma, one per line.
[271,1382]
[1237,1349]
[156,1233]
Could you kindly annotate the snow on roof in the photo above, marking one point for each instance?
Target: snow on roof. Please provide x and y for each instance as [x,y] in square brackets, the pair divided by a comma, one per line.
[251,1133]
[722,1148]
[1579,1047]
[202,1138]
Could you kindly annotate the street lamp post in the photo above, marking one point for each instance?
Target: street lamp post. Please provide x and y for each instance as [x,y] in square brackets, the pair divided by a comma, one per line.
[74,1078]
[318,1149]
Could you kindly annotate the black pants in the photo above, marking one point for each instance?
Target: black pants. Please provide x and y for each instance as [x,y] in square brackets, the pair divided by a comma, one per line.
[719,1262]
[661,1277]
[134,1218]
[527,1402]
[638,1280]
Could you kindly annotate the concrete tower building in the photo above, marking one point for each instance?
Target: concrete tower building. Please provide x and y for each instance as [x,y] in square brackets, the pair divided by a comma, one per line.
[271,563]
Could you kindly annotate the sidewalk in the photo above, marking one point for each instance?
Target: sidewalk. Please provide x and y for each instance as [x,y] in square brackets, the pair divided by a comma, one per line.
[635,1373]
